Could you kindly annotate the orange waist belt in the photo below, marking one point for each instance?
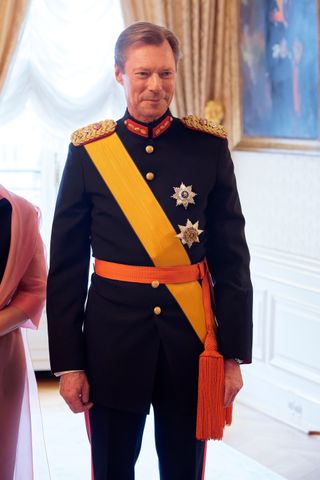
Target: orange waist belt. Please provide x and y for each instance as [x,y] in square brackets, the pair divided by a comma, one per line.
[210,421]
[137,274]
[164,275]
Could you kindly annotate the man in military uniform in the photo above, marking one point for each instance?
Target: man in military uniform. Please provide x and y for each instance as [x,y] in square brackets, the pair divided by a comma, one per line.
[155,198]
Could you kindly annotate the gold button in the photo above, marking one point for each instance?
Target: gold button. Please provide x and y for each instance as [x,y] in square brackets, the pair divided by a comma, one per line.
[157,310]
[149,148]
[155,284]
[150,176]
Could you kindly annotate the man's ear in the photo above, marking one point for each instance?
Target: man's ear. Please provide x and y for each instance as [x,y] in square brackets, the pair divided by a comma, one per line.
[118,74]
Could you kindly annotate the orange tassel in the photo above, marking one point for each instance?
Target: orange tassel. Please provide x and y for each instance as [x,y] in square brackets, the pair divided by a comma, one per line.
[212,416]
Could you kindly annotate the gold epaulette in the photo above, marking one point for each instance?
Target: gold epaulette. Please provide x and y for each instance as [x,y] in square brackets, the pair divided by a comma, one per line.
[93,132]
[204,125]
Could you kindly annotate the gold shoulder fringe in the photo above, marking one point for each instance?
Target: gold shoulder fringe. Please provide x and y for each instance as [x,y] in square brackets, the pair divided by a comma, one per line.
[93,132]
[204,125]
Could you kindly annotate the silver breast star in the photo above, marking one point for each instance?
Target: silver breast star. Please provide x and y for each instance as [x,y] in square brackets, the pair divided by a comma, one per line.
[189,233]
[183,195]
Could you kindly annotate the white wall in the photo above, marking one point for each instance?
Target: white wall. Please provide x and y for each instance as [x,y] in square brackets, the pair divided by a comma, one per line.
[280,196]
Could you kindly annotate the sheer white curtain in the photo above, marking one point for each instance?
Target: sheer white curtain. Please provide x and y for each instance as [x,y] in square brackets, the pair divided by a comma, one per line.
[64,64]
[60,79]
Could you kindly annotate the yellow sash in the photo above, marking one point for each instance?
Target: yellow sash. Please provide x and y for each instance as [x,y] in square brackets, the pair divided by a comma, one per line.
[148,220]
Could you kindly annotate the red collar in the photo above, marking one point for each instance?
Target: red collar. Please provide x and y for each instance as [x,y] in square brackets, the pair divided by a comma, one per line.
[143,130]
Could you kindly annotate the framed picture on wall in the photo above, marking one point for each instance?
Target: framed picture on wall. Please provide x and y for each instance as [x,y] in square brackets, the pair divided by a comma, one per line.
[278,75]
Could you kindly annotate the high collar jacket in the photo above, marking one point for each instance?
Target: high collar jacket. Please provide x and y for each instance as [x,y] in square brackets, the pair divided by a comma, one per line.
[121,332]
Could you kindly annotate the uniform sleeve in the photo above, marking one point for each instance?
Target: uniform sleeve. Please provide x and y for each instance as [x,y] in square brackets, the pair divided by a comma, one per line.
[228,259]
[69,266]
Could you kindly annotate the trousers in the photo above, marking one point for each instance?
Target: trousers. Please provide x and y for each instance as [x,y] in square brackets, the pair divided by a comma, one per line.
[116,437]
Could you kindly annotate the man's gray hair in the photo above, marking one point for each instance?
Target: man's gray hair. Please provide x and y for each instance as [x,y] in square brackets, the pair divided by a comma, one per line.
[147,33]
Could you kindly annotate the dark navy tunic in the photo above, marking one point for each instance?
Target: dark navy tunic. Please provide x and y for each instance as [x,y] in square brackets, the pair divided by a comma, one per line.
[112,331]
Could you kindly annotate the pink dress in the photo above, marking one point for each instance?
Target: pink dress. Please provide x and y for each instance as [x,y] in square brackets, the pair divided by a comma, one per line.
[23,285]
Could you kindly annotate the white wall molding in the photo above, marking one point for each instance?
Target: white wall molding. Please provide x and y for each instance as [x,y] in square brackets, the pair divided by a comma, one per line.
[284,380]
[300,322]
[297,263]
[280,401]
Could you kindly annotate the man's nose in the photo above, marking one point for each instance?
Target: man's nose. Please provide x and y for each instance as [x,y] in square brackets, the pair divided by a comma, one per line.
[154,82]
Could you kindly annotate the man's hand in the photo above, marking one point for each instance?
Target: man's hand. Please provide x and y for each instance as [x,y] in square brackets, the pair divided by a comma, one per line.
[74,388]
[232,381]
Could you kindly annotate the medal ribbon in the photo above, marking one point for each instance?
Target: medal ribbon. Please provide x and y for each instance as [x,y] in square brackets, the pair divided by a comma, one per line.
[148,220]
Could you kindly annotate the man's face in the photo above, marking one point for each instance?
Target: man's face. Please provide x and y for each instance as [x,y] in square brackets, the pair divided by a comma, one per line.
[148,80]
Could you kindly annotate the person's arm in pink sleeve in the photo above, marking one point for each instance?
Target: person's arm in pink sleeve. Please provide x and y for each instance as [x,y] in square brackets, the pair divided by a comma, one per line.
[30,296]
[10,319]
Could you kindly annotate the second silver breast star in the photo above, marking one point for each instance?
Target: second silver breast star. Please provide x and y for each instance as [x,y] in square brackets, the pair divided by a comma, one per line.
[183,195]
[189,233]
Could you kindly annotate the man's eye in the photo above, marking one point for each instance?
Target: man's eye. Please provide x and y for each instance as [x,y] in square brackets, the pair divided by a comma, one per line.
[142,74]
[166,74]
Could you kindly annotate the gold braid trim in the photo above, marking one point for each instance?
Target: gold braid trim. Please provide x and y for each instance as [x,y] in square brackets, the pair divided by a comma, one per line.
[93,132]
[204,125]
